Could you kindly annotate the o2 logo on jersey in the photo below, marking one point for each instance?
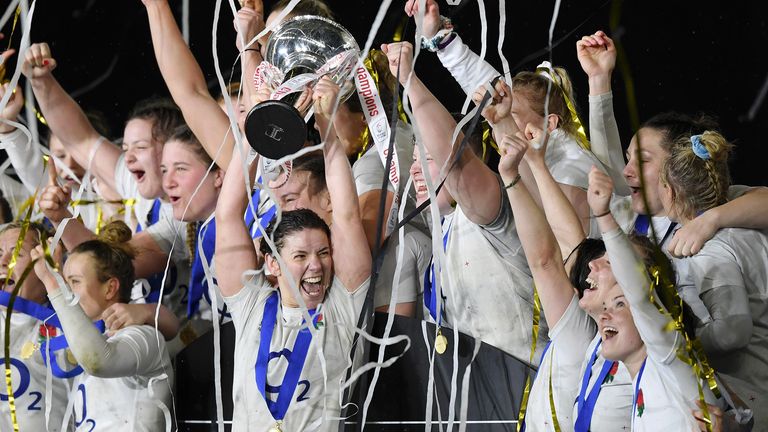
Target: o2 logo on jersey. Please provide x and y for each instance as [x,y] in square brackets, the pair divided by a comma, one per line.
[84,420]
[301,386]
[24,381]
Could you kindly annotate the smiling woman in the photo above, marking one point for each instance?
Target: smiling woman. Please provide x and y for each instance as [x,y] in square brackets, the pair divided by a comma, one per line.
[190,188]
[632,328]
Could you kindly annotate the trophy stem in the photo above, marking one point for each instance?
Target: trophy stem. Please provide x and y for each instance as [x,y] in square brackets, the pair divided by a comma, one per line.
[275,129]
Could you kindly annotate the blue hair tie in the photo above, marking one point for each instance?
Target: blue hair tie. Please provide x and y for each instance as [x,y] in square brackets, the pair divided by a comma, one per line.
[698,148]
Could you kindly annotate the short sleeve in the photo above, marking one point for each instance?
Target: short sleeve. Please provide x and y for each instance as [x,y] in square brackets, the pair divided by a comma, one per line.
[171,236]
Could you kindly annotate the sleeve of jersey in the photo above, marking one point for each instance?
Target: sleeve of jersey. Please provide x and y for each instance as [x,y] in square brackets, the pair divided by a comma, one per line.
[466,67]
[631,275]
[125,185]
[735,191]
[171,237]
[721,287]
[98,356]
[242,304]
[25,157]
[368,172]
[605,141]
[501,231]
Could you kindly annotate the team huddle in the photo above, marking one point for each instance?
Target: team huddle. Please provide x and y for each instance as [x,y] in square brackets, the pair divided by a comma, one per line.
[636,282]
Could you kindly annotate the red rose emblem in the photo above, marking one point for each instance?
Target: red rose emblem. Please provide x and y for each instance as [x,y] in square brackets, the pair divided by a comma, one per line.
[640,403]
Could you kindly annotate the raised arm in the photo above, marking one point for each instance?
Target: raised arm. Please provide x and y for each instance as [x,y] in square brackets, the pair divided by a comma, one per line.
[54,202]
[235,251]
[25,156]
[538,240]
[466,67]
[747,211]
[474,186]
[561,215]
[65,118]
[597,55]
[249,23]
[187,85]
[351,255]
[630,273]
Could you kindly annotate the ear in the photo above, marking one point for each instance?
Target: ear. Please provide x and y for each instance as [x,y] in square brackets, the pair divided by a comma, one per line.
[272,265]
[552,121]
[112,289]
[325,200]
[218,178]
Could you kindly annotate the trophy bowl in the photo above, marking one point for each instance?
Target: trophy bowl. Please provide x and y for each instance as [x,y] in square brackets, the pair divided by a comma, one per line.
[302,49]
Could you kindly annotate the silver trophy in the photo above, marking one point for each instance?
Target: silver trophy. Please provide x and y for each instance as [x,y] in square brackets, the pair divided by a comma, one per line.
[299,52]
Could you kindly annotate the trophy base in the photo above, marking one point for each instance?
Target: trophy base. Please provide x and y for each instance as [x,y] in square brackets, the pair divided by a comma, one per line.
[275,129]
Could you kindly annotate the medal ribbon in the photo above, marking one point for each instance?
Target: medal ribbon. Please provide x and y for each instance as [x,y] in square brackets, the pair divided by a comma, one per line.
[295,358]
[430,293]
[156,280]
[251,218]
[207,234]
[637,392]
[49,348]
[586,405]
[48,317]
[153,217]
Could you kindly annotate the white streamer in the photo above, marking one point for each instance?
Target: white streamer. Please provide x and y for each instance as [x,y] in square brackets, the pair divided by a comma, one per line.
[392,306]
[483,48]
[500,44]
[185,20]
[8,12]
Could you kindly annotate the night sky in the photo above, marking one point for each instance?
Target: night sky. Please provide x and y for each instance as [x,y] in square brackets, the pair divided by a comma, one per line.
[689,56]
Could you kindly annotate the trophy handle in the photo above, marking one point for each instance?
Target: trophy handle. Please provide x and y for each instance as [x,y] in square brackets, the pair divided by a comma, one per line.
[275,129]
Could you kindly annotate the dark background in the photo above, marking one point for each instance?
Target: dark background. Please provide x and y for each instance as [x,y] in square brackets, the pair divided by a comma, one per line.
[682,55]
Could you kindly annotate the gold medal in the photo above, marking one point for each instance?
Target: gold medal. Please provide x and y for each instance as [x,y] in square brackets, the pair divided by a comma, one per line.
[441,342]
[71,357]
[28,350]
[276,427]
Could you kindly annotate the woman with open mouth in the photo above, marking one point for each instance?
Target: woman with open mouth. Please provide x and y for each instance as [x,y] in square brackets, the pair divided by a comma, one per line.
[292,341]
[633,329]
[571,294]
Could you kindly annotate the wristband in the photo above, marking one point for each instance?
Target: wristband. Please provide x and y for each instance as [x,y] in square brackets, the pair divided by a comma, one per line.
[607,212]
[446,41]
[435,43]
[513,182]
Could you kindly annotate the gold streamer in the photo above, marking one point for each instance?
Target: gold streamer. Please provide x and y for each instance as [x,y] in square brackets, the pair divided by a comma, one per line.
[10,40]
[535,336]
[13,28]
[581,134]
[99,219]
[555,423]
[692,352]
[11,265]
[487,139]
